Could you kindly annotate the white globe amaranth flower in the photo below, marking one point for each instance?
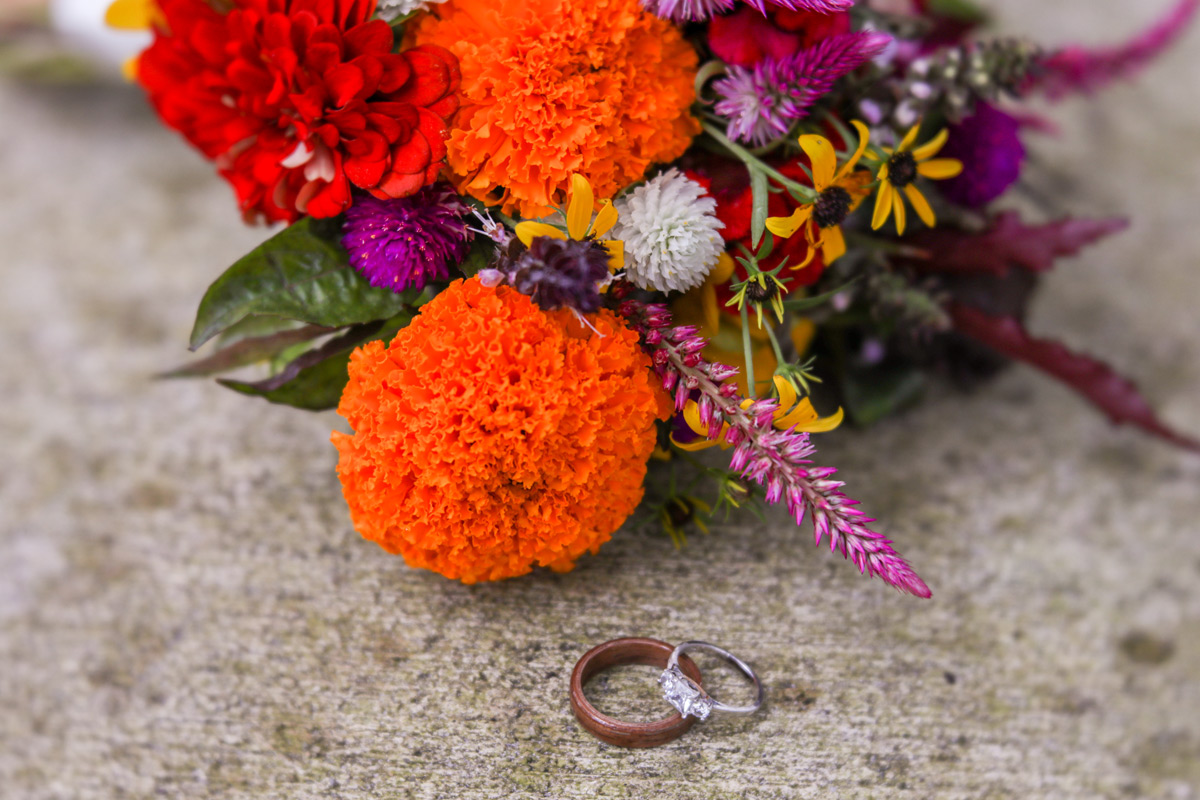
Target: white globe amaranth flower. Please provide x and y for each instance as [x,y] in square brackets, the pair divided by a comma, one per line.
[389,10]
[670,230]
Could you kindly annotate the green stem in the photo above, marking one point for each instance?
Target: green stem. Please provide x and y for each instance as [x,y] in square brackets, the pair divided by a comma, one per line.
[748,352]
[775,346]
[752,162]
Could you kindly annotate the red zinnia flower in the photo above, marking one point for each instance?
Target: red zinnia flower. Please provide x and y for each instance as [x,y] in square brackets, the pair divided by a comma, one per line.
[298,99]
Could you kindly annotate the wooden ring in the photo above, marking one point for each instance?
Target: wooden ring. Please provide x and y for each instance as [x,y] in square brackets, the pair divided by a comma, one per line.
[650,652]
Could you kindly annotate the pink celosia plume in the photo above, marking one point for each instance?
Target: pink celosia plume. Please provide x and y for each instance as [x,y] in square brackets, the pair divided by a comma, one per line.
[762,102]
[777,460]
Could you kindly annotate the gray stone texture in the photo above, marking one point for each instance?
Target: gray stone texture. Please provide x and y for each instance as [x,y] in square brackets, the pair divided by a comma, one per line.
[185,610]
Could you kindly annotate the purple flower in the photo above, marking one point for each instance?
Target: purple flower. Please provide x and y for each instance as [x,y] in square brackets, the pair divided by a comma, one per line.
[560,273]
[407,242]
[762,102]
[991,152]
[681,11]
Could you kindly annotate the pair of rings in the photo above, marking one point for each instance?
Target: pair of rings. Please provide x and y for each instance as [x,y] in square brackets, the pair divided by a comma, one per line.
[680,681]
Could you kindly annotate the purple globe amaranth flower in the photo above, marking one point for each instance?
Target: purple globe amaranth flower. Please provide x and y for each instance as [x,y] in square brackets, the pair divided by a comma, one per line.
[681,11]
[762,102]
[991,152]
[562,273]
[406,242]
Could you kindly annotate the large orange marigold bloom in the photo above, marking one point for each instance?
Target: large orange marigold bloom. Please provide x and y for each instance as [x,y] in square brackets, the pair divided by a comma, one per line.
[554,87]
[491,436]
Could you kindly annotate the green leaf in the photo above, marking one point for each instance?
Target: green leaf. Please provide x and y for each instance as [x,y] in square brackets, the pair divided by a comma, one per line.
[315,388]
[253,327]
[301,273]
[315,379]
[758,211]
[872,394]
[478,257]
[958,10]
[807,303]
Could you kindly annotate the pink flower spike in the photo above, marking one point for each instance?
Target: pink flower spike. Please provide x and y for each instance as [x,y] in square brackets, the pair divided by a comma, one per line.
[778,460]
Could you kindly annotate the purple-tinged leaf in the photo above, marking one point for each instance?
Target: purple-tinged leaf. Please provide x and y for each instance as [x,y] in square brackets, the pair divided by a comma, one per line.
[247,351]
[1116,396]
[1007,243]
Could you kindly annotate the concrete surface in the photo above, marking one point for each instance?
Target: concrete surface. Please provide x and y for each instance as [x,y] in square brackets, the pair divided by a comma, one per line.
[186,612]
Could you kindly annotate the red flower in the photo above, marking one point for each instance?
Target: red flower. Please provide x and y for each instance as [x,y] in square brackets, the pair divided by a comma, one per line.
[298,99]
[746,37]
[728,183]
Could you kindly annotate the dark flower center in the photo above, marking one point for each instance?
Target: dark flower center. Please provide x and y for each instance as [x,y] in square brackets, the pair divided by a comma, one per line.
[902,169]
[758,293]
[681,511]
[831,207]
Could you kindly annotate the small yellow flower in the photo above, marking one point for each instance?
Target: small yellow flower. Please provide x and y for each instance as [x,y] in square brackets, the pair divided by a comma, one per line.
[802,416]
[897,174]
[701,307]
[678,511]
[760,289]
[580,225]
[838,193]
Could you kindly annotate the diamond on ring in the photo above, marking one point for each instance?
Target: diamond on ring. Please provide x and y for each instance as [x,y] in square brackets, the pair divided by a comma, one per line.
[686,696]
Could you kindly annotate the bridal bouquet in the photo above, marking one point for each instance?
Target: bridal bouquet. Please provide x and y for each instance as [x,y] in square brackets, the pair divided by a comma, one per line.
[532,245]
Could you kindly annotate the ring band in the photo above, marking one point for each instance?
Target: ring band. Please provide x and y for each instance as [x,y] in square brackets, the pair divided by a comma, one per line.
[650,652]
[689,698]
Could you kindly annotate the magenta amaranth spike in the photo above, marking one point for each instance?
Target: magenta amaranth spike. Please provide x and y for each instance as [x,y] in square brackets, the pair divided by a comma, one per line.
[1081,69]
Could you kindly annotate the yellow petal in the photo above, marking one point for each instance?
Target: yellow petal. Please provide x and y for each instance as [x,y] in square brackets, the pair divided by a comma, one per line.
[787,393]
[129,15]
[808,258]
[920,205]
[883,205]
[605,219]
[786,226]
[910,137]
[129,69]
[708,305]
[529,230]
[825,424]
[723,270]
[803,412]
[802,334]
[616,254]
[579,212]
[693,446]
[931,148]
[863,136]
[940,168]
[691,415]
[834,245]
[823,158]
[901,213]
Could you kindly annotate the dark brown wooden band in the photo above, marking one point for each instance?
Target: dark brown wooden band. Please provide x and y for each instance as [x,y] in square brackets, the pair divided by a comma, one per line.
[650,652]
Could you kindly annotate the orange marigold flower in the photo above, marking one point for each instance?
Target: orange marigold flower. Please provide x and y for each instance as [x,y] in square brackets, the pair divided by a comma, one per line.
[555,87]
[491,436]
